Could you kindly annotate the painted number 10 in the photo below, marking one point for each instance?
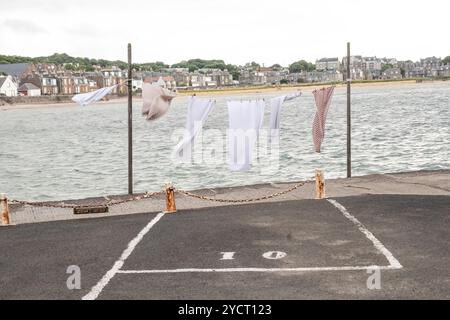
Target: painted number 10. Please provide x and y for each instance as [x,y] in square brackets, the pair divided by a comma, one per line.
[271,255]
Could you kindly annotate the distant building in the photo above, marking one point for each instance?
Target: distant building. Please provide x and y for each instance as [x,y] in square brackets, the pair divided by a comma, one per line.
[165,81]
[8,87]
[356,62]
[392,74]
[372,64]
[49,86]
[137,84]
[251,77]
[323,76]
[415,72]
[29,89]
[328,64]
[445,71]
[66,85]
[431,62]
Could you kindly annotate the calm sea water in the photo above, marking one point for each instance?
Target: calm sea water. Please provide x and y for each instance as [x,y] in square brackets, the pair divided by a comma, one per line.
[77,152]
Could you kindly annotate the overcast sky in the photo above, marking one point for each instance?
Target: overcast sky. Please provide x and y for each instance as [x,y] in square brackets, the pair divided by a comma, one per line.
[237,31]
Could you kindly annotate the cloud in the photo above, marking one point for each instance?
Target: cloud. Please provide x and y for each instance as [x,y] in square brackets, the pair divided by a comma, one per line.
[23,26]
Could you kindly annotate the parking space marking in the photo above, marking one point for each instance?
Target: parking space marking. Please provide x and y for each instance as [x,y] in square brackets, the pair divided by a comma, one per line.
[393,262]
[116,269]
[262,270]
[97,289]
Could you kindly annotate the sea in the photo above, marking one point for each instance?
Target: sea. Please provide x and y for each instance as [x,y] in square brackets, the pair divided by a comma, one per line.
[74,152]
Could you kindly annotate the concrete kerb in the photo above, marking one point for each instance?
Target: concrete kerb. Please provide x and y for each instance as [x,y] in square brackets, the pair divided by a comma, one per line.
[421,182]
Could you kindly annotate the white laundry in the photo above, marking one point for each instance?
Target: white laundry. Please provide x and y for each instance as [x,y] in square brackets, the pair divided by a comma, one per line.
[84,99]
[275,113]
[197,113]
[155,101]
[245,121]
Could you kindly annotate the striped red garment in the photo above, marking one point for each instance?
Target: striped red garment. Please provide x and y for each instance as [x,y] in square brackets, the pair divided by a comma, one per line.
[323,100]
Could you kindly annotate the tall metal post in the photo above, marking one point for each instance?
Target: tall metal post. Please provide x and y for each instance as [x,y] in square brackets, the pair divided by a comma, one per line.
[130,123]
[349,116]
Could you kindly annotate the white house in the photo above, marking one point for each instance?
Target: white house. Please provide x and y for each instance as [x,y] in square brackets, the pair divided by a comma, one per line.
[8,87]
[137,84]
[29,89]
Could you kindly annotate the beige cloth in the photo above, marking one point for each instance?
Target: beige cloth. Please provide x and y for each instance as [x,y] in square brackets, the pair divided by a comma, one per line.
[156,101]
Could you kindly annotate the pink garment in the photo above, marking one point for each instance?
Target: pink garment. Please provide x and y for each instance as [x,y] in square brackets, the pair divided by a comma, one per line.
[156,101]
[323,100]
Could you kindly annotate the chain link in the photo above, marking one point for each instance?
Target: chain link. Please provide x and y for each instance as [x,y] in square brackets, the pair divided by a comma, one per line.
[110,203]
[273,195]
[147,195]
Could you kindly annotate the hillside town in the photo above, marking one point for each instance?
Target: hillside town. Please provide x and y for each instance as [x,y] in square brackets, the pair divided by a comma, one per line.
[47,79]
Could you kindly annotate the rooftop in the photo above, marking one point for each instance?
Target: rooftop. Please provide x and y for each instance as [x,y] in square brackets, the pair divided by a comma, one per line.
[14,69]
[27,86]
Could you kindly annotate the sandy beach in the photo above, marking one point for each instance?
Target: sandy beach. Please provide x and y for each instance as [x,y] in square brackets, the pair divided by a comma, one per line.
[227,91]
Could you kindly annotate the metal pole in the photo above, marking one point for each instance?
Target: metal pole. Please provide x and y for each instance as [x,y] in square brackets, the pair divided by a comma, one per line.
[349,117]
[130,124]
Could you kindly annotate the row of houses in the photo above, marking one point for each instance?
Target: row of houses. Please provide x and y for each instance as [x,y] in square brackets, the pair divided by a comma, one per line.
[371,68]
[49,79]
[55,80]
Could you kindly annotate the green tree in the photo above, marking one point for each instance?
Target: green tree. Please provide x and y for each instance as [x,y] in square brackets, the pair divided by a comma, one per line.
[300,66]
[386,66]
[446,60]
[276,67]
[234,70]
[69,67]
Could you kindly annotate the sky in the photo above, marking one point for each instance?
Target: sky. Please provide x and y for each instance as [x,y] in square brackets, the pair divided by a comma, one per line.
[237,31]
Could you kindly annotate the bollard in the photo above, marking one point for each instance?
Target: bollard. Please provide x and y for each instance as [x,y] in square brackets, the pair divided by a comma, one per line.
[320,185]
[170,199]
[6,221]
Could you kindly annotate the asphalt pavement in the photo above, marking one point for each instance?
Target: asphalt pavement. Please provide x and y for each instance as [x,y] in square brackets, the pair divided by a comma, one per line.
[300,249]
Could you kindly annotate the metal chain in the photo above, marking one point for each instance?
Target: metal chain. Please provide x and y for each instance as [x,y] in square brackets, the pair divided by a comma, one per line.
[152,194]
[277,194]
[73,206]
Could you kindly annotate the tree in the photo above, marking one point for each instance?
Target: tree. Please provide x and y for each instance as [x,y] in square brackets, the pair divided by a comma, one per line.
[276,67]
[300,66]
[446,60]
[386,66]
[402,72]
[234,70]
[69,67]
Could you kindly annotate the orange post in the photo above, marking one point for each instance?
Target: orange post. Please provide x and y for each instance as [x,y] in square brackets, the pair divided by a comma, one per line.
[320,185]
[4,210]
[170,199]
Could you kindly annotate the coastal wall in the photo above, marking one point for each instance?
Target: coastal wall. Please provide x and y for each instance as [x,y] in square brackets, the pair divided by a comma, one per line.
[34,100]
[46,100]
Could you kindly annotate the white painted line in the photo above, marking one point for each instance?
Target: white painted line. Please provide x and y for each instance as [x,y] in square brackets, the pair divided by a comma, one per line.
[229,270]
[97,289]
[394,263]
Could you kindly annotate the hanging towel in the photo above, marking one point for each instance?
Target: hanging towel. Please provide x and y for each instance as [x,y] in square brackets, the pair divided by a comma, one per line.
[322,98]
[156,101]
[197,113]
[245,121]
[84,99]
[275,113]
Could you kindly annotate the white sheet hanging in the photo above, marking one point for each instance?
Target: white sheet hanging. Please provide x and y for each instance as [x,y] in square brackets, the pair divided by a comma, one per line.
[245,121]
[275,113]
[84,99]
[197,113]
